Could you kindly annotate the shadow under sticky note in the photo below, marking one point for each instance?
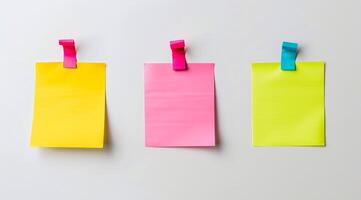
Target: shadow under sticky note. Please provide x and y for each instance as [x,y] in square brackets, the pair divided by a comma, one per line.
[288,106]
[179,105]
[69,105]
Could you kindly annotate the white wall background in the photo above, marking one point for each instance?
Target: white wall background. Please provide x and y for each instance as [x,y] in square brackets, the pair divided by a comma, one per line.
[231,33]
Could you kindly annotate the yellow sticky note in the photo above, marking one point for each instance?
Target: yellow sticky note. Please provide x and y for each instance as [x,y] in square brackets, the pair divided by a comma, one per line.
[69,105]
[288,106]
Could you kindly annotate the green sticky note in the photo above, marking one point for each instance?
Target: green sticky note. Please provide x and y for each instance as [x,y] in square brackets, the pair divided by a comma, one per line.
[288,106]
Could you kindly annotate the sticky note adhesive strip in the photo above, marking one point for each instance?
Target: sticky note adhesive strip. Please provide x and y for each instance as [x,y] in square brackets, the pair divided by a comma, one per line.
[288,106]
[69,105]
[179,105]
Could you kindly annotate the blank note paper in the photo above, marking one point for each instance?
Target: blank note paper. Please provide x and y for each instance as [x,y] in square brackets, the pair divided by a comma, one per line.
[179,105]
[69,107]
[288,106]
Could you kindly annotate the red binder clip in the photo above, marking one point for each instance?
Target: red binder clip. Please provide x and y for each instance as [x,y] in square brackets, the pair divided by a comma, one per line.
[178,55]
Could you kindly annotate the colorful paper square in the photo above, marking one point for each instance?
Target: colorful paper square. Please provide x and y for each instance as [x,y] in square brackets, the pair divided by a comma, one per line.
[69,106]
[179,105]
[288,106]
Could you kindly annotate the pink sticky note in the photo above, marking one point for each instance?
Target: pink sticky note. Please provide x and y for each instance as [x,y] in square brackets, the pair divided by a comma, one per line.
[179,105]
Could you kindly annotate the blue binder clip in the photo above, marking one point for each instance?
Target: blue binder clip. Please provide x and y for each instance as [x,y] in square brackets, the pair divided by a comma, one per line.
[288,57]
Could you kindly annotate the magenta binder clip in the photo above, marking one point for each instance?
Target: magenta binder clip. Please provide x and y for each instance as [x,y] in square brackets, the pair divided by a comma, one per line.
[69,53]
[178,55]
